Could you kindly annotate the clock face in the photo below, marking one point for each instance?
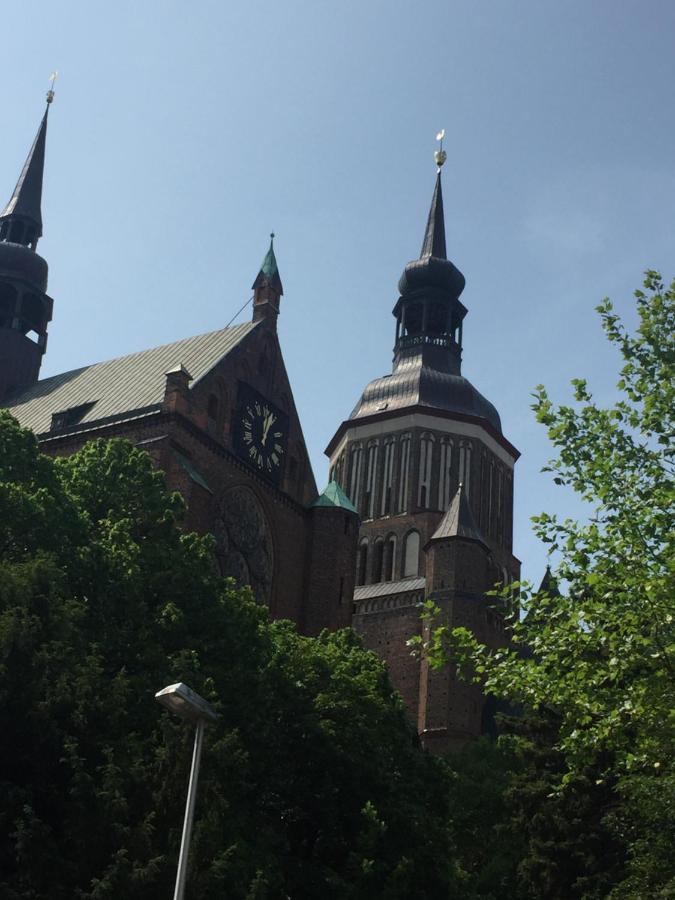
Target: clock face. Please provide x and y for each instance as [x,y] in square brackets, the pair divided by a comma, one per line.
[261,432]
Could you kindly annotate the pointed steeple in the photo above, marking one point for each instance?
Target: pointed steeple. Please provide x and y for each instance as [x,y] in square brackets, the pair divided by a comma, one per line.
[269,271]
[21,219]
[267,288]
[549,584]
[25,307]
[434,236]
[458,521]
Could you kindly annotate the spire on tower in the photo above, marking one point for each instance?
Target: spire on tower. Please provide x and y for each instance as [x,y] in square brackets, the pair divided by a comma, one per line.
[21,219]
[434,236]
[269,271]
[267,288]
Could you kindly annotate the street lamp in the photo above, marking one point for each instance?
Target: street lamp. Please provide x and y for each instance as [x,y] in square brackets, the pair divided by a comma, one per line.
[187,704]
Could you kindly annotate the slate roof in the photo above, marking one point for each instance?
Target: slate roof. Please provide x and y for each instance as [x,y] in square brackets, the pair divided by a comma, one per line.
[384,588]
[26,199]
[333,495]
[119,388]
[413,384]
[458,521]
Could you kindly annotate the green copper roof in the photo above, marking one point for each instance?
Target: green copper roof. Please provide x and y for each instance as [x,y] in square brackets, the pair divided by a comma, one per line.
[333,495]
[269,264]
[269,270]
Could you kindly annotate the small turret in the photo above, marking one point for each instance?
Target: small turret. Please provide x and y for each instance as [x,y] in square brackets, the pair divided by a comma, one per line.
[267,289]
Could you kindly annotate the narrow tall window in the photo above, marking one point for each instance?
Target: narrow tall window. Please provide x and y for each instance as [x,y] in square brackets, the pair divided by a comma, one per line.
[500,504]
[411,554]
[371,468]
[363,563]
[426,459]
[389,558]
[355,474]
[403,472]
[387,477]
[491,497]
[445,481]
[378,559]
[465,466]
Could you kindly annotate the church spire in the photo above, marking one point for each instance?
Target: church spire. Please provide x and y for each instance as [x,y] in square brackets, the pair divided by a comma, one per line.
[434,236]
[21,219]
[267,288]
[428,312]
[25,307]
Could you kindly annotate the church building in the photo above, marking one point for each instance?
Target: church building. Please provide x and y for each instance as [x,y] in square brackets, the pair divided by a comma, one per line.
[420,499]
[215,412]
[424,460]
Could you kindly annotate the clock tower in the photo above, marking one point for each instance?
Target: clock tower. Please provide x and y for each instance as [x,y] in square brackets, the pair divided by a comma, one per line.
[424,460]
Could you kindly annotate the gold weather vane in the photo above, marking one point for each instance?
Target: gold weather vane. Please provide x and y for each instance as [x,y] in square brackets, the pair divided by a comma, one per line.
[440,155]
[50,92]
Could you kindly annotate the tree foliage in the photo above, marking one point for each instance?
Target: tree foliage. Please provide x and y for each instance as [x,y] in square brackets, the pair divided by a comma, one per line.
[600,654]
[312,782]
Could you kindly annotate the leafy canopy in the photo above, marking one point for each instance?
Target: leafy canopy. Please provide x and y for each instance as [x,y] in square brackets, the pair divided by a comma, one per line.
[312,782]
[600,654]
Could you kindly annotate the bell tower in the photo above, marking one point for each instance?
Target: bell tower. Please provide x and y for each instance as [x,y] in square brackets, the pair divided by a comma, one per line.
[25,308]
[423,459]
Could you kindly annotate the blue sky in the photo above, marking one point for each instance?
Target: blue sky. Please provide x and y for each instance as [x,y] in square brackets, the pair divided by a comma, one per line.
[182,134]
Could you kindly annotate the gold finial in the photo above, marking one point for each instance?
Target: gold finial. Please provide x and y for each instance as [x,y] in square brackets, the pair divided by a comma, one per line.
[50,92]
[440,155]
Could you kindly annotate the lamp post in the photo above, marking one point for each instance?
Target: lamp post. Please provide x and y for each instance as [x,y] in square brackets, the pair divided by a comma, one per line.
[187,704]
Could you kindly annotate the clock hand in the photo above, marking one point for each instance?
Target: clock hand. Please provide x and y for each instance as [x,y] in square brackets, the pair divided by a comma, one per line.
[269,421]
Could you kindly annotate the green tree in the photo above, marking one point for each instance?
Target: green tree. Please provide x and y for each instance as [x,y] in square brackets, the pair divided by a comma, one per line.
[312,781]
[600,654]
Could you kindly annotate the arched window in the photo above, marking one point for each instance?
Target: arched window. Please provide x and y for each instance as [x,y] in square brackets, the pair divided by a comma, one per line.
[465,466]
[403,474]
[371,469]
[491,497]
[426,461]
[7,304]
[445,480]
[32,313]
[389,558]
[413,318]
[378,559]
[387,477]
[500,504]
[362,566]
[436,318]
[355,466]
[411,554]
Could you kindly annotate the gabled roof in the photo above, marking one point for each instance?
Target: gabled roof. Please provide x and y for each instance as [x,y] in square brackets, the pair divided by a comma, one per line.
[458,522]
[116,389]
[333,495]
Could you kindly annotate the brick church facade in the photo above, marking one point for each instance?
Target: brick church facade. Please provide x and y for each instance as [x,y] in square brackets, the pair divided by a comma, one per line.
[215,412]
[421,477]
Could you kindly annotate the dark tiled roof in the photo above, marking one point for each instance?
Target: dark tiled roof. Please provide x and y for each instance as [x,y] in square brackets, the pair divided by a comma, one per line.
[458,521]
[114,389]
[385,588]
[413,384]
